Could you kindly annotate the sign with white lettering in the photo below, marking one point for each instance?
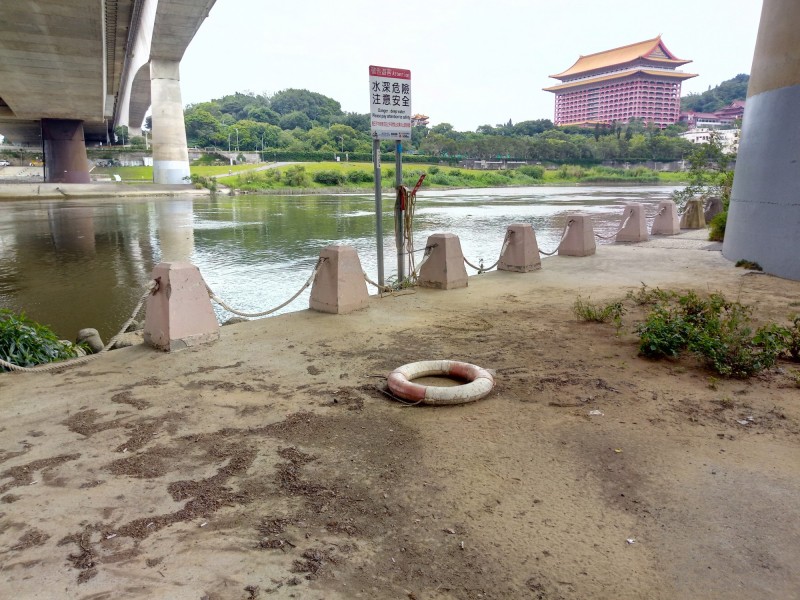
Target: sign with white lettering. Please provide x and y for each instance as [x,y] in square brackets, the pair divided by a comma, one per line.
[390,103]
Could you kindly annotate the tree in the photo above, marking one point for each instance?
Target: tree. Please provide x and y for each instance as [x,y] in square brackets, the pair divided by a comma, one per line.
[718,96]
[295,120]
[121,134]
[315,106]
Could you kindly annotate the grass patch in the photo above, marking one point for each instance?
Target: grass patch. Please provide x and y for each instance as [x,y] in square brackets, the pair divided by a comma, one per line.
[712,328]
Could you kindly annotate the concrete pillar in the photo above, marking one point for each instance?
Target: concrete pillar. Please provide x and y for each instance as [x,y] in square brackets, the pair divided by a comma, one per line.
[444,268]
[64,151]
[179,314]
[579,240]
[339,286]
[667,221]
[170,156]
[692,217]
[634,224]
[522,251]
[764,215]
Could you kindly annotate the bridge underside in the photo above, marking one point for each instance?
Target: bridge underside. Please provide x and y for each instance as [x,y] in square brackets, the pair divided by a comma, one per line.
[87,62]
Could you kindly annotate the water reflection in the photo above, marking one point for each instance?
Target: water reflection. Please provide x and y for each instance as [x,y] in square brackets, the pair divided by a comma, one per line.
[77,264]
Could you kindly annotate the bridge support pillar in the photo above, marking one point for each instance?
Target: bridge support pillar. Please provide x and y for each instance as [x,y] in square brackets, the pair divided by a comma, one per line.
[64,151]
[764,216]
[170,156]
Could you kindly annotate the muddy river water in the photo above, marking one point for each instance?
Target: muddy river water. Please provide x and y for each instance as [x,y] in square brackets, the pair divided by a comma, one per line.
[74,264]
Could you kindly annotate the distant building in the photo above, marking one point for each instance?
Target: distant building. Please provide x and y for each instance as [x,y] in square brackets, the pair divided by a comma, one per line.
[724,117]
[728,138]
[638,81]
[419,120]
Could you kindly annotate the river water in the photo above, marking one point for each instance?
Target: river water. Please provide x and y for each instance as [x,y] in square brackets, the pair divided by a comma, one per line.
[73,264]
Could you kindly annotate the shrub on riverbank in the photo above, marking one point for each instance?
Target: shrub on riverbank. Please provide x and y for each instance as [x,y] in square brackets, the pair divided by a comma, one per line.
[26,343]
[717,331]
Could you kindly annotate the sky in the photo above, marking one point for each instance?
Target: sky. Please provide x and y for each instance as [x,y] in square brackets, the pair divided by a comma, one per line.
[472,63]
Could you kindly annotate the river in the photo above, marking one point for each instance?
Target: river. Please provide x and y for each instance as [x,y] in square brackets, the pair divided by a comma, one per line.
[73,264]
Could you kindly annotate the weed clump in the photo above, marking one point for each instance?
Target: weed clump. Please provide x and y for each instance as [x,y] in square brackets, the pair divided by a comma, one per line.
[588,311]
[716,330]
[26,343]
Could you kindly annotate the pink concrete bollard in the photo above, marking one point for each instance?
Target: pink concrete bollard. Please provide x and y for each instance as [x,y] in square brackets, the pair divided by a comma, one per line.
[339,286]
[693,216]
[667,221]
[444,268]
[522,252]
[179,314]
[635,224]
[579,240]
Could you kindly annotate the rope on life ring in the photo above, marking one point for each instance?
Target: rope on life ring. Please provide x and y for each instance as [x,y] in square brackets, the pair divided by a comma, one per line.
[401,384]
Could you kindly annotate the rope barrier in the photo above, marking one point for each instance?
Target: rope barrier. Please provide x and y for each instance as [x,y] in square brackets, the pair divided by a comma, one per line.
[381,288]
[264,313]
[621,227]
[658,214]
[483,269]
[561,241]
[151,288]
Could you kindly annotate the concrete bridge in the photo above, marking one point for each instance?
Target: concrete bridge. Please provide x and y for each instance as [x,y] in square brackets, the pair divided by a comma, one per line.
[72,70]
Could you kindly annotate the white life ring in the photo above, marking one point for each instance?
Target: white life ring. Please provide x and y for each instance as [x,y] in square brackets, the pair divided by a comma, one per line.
[401,382]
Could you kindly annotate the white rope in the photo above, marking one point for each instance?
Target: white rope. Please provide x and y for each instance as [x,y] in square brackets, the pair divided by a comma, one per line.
[561,241]
[483,269]
[152,287]
[264,313]
[658,214]
[621,227]
[381,288]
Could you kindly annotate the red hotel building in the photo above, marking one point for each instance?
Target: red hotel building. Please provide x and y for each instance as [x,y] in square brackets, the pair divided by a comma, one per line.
[638,81]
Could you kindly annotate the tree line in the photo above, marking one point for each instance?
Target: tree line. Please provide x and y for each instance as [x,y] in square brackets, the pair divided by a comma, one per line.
[296,120]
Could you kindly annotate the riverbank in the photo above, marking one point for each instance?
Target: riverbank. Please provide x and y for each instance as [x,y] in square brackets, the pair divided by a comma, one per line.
[62,191]
[269,464]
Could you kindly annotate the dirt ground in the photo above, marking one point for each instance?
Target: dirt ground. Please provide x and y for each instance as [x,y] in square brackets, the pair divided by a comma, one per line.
[271,464]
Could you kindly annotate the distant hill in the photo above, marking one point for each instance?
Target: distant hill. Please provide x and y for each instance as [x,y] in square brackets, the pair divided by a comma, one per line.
[719,96]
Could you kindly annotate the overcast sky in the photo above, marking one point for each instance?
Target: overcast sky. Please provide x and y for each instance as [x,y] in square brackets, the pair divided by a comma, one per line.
[472,63]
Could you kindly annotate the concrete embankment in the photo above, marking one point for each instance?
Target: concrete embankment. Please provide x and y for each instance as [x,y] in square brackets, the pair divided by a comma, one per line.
[50,191]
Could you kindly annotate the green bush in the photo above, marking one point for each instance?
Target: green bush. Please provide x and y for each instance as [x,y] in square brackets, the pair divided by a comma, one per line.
[433,170]
[295,176]
[663,334]
[717,225]
[717,331]
[26,343]
[329,177]
[532,171]
[360,176]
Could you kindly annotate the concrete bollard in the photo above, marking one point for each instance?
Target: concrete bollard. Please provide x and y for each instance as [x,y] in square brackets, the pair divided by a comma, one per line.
[693,215]
[522,252]
[666,221]
[179,313]
[339,286]
[579,240]
[635,224]
[713,208]
[444,268]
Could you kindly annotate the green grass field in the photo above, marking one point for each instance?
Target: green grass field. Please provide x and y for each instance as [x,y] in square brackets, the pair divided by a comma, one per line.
[359,176]
[145,174]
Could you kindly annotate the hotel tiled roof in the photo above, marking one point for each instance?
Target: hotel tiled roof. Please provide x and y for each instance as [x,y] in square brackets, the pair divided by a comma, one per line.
[652,50]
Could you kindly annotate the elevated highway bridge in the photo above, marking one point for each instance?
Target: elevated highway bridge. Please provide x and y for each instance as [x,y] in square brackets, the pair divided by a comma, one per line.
[72,70]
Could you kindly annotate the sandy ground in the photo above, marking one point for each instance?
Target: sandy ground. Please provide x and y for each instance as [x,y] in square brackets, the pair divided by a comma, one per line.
[271,465]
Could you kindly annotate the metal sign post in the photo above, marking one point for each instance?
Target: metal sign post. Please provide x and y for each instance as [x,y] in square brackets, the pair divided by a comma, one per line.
[398,211]
[376,161]
[390,119]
